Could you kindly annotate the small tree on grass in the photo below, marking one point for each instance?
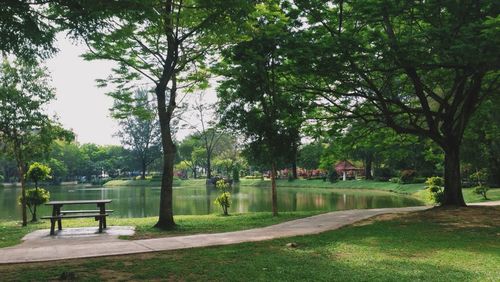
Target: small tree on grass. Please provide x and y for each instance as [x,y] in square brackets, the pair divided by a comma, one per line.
[34,197]
[480,177]
[224,199]
[434,185]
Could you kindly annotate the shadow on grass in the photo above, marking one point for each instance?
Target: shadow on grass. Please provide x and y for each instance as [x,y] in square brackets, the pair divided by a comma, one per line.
[440,244]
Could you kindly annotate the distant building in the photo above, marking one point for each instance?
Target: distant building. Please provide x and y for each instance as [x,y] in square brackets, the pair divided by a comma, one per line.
[347,170]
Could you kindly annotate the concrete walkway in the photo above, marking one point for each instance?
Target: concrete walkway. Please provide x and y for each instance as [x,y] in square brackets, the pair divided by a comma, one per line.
[490,204]
[83,248]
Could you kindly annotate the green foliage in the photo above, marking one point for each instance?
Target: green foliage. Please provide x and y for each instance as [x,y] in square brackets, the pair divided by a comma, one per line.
[224,199]
[34,198]
[481,190]
[38,172]
[236,175]
[407,176]
[2,178]
[434,187]
[480,177]
[333,176]
[383,174]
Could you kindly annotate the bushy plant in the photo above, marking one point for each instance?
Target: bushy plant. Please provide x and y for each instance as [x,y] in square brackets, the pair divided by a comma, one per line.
[434,187]
[480,177]
[394,179]
[1,178]
[481,190]
[407,176]
[333,176]
[224,199]
[38,172]
[34,198]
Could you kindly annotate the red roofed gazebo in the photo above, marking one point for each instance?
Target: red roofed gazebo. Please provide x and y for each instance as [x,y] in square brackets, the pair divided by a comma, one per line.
[347,170]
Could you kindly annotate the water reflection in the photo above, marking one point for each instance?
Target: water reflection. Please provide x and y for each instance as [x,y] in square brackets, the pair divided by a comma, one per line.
[144,201]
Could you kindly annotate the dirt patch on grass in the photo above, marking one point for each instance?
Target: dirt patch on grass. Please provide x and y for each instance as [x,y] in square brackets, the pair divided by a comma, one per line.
[454,218]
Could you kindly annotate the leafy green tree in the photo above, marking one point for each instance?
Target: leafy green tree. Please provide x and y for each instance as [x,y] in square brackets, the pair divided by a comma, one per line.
[25,130]
[165,43]
[140,132]
[310,155]
[24,32]
[252,97]
[206,131]
[59,170]
[34,197]
[481,145]
[419,67]
[38,172]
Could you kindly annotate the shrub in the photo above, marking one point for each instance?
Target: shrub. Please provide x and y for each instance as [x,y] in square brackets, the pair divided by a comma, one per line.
[480,177]
[394,180]
[481,190]
[224,199]
[1,178]
[333,176]
[38,172]
[407,176]
[434,186]
[34,198]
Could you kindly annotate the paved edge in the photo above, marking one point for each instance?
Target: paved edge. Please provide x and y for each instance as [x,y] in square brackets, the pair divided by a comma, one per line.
[304,226]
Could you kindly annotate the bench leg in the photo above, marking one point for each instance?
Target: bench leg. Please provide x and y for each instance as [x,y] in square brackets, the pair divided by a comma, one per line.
[104,222]
[52,226]
[100,225]
[59,224]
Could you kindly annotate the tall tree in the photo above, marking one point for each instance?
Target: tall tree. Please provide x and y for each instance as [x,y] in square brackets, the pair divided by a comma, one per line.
[208,134]
[140,132]
[253,99]
[25,130]
[420,67]
[165,43]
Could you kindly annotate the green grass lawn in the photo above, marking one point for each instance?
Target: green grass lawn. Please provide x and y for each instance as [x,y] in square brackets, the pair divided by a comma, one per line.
[350,184]
[436,245]
[11,232]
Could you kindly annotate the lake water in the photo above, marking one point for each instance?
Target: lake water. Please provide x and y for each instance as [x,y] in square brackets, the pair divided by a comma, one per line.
[144,201]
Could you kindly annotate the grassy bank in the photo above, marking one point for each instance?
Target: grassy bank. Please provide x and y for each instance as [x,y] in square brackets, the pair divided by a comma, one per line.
[154,183]
[11,232]
[350,184]
[435,245]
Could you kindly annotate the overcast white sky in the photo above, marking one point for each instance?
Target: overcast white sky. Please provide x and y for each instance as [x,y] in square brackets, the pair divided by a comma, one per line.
[79,104]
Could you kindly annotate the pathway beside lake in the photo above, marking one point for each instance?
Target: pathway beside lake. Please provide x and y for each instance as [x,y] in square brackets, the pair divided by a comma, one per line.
[60,249]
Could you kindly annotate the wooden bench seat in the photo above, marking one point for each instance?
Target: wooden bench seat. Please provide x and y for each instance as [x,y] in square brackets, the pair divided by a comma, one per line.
[57,218]
[84,211]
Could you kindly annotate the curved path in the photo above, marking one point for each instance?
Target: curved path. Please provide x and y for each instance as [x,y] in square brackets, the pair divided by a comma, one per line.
[83,248]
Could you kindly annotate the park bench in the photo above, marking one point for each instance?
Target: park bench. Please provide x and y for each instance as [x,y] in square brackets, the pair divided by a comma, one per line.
[58,215]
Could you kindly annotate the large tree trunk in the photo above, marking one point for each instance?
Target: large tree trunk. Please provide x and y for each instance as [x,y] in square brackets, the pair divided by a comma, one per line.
[368,166]
[209,169]
[273,190]
[294,169]
[452,180]
[166,214]
[143,169]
